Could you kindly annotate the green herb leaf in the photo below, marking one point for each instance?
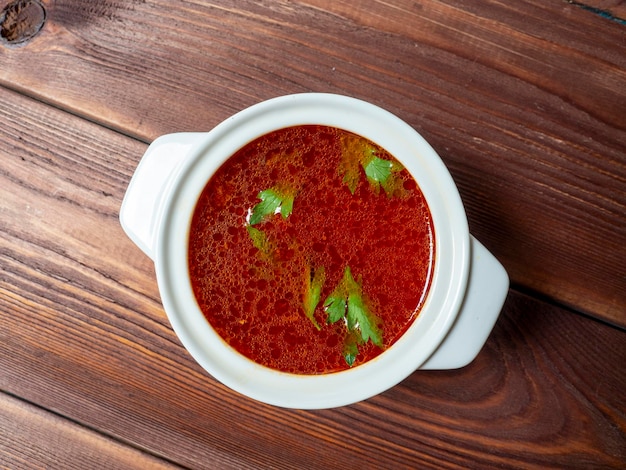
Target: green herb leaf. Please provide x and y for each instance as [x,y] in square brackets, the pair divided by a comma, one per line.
[259,239]
[381,172]
[394,185]
[350,349]
[335,306]
[360,318]
[313,293]
[286,207]
[348,302]
[273,201]
[352,154]
[351,286]
[357,153]
[377,170]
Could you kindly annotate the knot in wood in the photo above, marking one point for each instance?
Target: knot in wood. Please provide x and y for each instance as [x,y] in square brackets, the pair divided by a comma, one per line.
[20,20]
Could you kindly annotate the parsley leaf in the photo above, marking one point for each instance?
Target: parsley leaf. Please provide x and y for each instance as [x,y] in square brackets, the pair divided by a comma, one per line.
[350,349]
[259,240]
[357,153]
[378,170]
[313,293]
[359,317]
[381,172]
[335,306]
[349,303]
[394,185]
[276,200]
[352,153]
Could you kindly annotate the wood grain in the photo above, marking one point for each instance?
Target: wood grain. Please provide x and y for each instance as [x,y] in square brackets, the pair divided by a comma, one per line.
[541,155]
[32,438]
[82,334]
[523,100]
[617,8]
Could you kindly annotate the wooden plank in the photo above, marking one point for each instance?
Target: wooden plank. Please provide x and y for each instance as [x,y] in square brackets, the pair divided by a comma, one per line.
[34,438]
[539,205]
[614,9]
[82,334]
[524,101]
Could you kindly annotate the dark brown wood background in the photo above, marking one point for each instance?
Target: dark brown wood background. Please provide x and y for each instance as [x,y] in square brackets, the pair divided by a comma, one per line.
[525,102]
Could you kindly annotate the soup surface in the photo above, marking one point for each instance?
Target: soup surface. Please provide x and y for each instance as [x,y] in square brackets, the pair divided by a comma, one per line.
[311,250]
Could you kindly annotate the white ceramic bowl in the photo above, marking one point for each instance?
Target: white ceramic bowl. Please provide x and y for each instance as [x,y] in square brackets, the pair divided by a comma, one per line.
[160,202]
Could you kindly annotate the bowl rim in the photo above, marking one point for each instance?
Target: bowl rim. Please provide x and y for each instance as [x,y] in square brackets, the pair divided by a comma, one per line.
[418,343]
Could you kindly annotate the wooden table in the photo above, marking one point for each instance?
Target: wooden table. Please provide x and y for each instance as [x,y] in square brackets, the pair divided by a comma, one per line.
[524,100]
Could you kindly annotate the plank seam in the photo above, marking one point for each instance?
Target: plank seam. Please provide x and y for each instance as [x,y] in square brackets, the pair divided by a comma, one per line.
[97,432]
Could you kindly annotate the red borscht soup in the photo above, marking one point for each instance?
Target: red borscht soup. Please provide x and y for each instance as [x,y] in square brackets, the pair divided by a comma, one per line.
[311,250]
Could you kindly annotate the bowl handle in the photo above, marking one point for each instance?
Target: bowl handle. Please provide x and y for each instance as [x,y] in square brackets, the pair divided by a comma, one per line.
[140,210]
[487,289]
